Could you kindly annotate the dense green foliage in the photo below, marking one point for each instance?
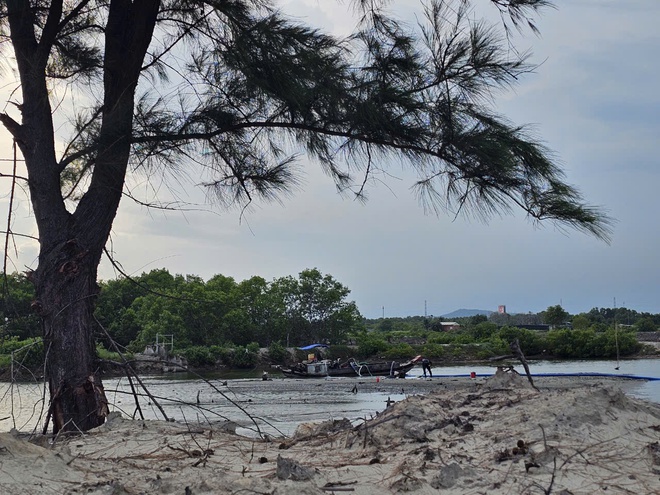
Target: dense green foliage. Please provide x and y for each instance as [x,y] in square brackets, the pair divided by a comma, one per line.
[16,314]
[600,333]
[292,311]
[555,316]
[26,354]
[222,321]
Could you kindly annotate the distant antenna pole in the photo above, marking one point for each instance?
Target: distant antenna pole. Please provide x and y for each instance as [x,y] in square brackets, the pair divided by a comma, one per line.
[424,308]
[616,337]
[383,311]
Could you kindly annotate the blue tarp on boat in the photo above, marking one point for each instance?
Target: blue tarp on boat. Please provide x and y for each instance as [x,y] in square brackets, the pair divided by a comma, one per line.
[312,346]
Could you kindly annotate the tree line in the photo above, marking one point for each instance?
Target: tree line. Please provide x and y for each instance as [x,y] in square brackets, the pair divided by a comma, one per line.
[289,310]
[597,319]
[210,320]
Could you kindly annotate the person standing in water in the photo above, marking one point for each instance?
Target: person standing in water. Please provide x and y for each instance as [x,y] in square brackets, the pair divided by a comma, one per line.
[426,366]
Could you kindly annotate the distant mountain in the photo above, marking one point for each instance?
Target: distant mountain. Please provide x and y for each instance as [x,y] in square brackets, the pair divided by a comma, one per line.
[465,313]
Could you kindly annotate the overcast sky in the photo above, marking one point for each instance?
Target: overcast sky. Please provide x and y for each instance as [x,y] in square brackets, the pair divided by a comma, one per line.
[593,100]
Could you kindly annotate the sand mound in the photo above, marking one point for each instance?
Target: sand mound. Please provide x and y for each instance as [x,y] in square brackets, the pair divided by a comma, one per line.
[496,438]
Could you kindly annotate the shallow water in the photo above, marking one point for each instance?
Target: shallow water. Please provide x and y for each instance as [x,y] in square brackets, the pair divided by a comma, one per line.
[279,405]
[275,410]
[636,368]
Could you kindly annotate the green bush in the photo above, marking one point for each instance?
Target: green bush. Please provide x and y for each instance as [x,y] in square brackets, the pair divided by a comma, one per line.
[482,331]
[489,350]
[277,353]
[441,338]
[342,352]
[11,344]
[28,353]
[107,355]
[531,342]
[605,344]
[370,345]
[450,338]
[244,357]
[198,356]
[628,343]
[567,343]
[498,346]
[401,351]
[222,354]
[431,351]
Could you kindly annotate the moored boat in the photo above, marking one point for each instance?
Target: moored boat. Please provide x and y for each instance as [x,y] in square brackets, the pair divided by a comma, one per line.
[326,367]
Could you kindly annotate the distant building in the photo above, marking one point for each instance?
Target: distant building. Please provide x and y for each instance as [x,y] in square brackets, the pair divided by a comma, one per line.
[501,309]
[448,326]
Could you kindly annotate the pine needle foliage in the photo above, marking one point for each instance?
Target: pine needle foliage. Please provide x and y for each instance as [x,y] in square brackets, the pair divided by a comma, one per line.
[237,93]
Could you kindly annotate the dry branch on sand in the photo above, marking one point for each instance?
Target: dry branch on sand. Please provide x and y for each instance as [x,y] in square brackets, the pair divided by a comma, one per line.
[499,437]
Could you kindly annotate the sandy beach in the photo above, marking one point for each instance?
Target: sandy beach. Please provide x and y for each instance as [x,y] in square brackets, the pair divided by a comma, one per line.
[488,436]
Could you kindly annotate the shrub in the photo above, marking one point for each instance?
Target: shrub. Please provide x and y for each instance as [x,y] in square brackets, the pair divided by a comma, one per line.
[567,343]
[277,353]
[244,357]
[431,350]
[253,347]
[482,331]
[5,362]
[531,341]
[11,344]
[498,346]
[590,344]
[198,356]
[342,352]
[371,346]
[222,354]
[107,355]
[443,338]
[399,351]
[28,353]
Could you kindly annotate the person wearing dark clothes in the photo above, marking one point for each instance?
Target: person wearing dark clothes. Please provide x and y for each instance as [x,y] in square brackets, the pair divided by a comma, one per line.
[426,366]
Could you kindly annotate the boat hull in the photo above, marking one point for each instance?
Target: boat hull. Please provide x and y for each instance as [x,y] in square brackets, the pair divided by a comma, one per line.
[324,369]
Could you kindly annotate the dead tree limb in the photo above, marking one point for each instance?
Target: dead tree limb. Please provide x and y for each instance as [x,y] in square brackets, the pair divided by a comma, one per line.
[515,348]
[129,370]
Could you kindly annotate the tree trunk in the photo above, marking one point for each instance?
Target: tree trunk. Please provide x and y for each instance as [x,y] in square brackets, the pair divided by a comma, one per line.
[71,243]
[66,293]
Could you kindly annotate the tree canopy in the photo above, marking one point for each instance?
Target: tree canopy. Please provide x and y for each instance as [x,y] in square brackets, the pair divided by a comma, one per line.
[236,91]
[555,315]
[291,310]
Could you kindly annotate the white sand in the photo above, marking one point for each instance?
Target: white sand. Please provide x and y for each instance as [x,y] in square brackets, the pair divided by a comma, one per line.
[496,437]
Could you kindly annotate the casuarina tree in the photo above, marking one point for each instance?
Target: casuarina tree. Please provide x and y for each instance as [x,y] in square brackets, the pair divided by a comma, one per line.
[237,93]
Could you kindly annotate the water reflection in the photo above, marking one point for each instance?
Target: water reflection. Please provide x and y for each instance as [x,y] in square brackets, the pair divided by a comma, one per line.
[256,407]
[276,410]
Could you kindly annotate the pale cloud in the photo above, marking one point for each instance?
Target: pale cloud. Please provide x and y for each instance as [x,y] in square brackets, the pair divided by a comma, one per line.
[592,100]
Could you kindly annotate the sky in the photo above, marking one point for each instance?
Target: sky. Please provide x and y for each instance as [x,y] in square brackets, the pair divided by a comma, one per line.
[593,100]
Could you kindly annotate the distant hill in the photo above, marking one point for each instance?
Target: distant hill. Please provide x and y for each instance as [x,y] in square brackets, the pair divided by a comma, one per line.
[465,313]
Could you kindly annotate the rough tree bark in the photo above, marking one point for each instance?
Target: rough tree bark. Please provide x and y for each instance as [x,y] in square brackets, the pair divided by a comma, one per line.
[66,292]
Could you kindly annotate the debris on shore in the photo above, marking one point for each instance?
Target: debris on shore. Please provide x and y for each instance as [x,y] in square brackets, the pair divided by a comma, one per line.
[499,437]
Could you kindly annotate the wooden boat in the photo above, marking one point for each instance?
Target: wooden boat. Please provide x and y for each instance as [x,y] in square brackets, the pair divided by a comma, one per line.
[326,367]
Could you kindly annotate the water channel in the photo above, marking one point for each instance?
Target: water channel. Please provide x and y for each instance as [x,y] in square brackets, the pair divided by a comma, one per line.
[277,406]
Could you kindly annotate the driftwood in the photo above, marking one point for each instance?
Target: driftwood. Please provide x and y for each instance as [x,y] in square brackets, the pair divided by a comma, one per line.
[515,348]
